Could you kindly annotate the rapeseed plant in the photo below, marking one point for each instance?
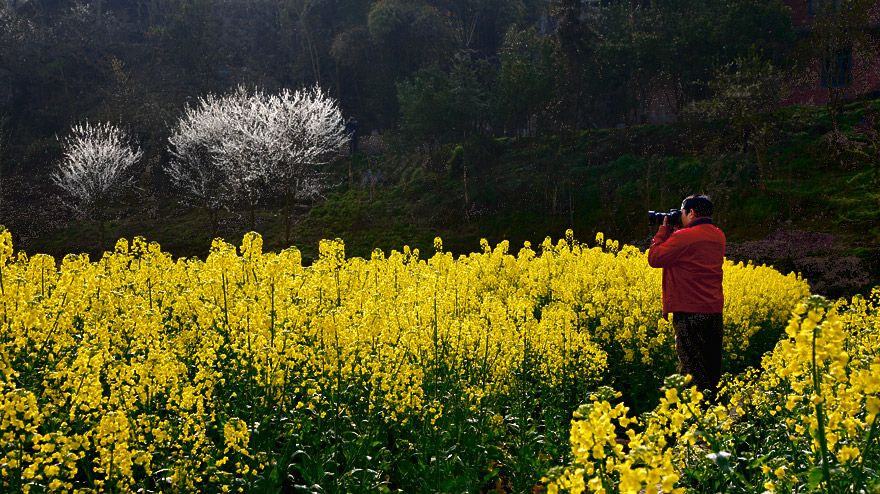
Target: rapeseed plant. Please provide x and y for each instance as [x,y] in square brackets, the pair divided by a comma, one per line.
[804,422]
[248,371]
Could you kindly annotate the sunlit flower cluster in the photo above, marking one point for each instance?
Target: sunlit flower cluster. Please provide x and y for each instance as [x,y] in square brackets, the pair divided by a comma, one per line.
[644,457]
[140,372]
[804,422]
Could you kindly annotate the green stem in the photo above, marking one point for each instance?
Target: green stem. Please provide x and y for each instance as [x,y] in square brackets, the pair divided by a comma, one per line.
[225,302]
[272,313]
[820,417]
[857,484]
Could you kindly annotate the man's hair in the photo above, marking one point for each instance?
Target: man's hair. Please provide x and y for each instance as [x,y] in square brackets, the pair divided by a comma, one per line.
[700,203]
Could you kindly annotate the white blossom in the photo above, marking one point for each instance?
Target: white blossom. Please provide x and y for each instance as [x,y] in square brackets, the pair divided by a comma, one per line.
[195,140]
[95,166]
[251,149]
[238,145]
[313,128]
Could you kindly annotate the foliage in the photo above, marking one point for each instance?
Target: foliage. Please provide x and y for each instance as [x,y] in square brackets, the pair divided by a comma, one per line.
[189,40]
[446,106]
[609,65]
[194,140]
[744,94]
[525,84]
[250,371]
[804,422]
[624,59]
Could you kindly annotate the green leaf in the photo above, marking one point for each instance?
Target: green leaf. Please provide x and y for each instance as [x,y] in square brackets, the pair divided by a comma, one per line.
[722,459]
[816,477]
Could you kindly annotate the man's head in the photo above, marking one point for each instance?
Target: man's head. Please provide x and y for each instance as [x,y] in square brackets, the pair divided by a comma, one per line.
[695,206]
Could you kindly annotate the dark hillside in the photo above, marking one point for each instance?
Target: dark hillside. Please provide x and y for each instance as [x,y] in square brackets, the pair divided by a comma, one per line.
[814,211]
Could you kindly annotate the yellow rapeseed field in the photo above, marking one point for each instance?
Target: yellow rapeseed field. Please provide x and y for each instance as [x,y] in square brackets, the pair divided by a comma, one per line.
[139,372]
[804,422]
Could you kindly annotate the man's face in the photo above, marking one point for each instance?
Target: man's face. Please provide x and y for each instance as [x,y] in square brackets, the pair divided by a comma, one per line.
[687,216]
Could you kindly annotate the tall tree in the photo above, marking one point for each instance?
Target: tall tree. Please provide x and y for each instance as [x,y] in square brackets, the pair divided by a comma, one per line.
[193,167]
[524,88]
[446,105]
[311,132]
[95,169]
[480,25]
[840,33]
[744,93]
[234,146]
[577,35]
[190,41]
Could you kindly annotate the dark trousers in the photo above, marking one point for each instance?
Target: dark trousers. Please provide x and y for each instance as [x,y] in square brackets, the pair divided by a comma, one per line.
[698,340]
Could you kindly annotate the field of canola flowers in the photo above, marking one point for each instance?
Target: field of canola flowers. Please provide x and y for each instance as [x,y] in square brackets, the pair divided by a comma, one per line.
[804,422]
[249,372]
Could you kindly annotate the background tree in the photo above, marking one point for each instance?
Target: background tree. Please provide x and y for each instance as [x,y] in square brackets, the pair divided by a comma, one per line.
[446,106]
[189,41]
[249,153]
[480,25]
[630,56]
[230,148]
[744,93]
[311,131]
[524,90]
[193,168]
[577,34]
[95,169]
[406,37]
[840,34]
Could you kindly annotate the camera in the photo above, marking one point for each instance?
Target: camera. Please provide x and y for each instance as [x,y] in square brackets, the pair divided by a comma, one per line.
[674,215]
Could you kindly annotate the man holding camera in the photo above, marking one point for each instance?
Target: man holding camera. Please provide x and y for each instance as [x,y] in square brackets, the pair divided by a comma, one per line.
[691,255]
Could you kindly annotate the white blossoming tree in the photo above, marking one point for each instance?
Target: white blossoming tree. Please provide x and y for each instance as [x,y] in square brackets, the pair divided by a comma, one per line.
[195,140]
[235,147]
[95,169]
[252,149]
[313,132]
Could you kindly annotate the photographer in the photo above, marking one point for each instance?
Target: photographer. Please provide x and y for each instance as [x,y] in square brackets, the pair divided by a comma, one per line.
[691,256]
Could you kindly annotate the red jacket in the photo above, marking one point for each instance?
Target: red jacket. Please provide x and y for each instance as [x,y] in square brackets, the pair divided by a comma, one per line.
[691,259]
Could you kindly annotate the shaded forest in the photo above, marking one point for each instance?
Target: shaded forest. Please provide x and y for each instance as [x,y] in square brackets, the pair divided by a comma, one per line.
[438,70]
[494,118]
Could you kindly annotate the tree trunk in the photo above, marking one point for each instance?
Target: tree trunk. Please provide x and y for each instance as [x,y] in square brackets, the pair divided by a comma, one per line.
[760,156]
[338,83]
[100,238]
[553,210]
[99,12]
[466,201]
[833,108]
[287,193]
[212,218]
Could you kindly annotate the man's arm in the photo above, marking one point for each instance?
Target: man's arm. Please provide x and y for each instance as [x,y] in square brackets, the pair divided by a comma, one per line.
[665,248]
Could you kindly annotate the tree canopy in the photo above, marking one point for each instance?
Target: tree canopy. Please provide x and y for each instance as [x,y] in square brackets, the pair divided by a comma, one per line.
[439,69]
